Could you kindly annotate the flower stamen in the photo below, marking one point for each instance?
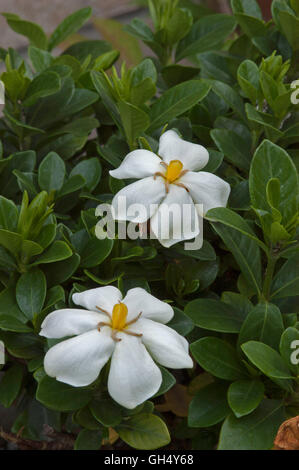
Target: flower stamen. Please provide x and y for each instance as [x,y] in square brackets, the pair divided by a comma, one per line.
[131,333]
[173,172]
[181,185]
[134,319]
[104,311]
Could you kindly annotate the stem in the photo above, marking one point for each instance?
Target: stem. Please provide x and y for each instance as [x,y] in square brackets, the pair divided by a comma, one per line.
[272,259]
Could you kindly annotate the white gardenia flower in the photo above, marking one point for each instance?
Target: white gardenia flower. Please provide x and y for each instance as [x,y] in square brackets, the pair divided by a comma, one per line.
[172,179]
[131,331]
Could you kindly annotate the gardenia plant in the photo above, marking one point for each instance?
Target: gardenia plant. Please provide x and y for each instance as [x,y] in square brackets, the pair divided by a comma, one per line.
[131,331]
[170,178]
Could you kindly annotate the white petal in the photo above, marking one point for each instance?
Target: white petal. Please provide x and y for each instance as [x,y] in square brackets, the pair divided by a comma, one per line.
[70,322]
[133,376]
[172,147]
[176,219]
[147,193]
[103,297]
[139,300]
[78,361]
[207,189]
[166,346]
[138,164]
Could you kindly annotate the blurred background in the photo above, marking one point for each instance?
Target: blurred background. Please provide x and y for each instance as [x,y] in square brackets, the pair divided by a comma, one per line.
[50,13]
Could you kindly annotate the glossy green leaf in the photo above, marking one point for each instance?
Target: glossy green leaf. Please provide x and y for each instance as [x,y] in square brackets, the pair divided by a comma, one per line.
[254,432]
[218,357]
[209,406]
[144,431]
[31,292]
[244,396]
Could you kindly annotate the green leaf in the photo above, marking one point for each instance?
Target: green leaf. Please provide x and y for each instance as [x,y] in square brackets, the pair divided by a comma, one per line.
[286,281]
[144,431]
[106,412]
[45,84]
[134,120]
[54,295]
[178,25]
[8,214]
[22,161]
[244,396]
[11,384]
[9,323]
[218,357]
[88,440]
[57,273]
[32,31]
[254,432]
[235,221]
[248,78]
[31,292]
[206,34]
[246,253]
[68,26]
[271,161]
[60,396]
[11,241]
[230,97]
[85,418]
[176,101]
[290,26]
[30,248]
[251,8]
[22,345]
[168,381]
[58,251]
[90,170]
[264,323]
[82,49]
[51,173]
[267,360]
[9,304]
[268,122]
[181,322]
[234,147]
[209,406]
[95,252]
[249,17]
[41,60]
[214,315]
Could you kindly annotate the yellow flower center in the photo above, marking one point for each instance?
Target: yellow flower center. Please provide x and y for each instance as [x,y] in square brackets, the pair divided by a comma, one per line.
[118,321]
[173,170]
[119,316]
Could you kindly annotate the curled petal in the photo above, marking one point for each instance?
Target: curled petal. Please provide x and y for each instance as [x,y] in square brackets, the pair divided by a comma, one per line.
[176,219]
[70,322]
[78,361]
[166,346]
[207,189]
[133,376]
[103,297]
[138,201]
[138,164]
[139,300]
[172,147]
